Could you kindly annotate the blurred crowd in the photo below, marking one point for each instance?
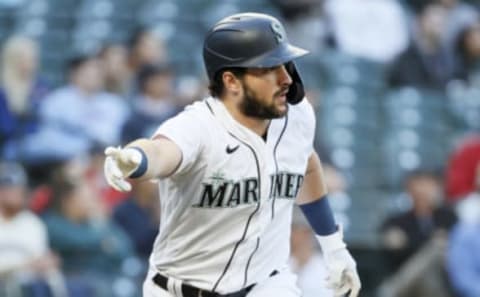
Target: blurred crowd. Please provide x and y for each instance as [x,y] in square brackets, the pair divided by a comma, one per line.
[64,232]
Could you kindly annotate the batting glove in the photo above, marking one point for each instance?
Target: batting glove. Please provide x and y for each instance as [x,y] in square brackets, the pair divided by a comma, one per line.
[341,266]
[119,165]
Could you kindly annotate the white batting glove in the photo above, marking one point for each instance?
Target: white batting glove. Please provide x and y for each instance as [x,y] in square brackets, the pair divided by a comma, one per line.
[119,165]
[341,266]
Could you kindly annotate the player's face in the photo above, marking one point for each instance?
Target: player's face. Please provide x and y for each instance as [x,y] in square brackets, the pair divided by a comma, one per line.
[264,92]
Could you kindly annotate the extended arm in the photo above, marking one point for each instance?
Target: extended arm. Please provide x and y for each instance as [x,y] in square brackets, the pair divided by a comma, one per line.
[141,159]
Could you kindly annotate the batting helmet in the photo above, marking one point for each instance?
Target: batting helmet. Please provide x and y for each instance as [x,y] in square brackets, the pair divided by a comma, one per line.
[252,40]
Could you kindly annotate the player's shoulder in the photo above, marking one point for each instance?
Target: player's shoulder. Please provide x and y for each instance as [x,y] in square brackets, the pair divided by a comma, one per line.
[197,113]
[302,112]
[199,109]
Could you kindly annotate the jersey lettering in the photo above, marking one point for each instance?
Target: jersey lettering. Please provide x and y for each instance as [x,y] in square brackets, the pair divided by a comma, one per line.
[285,185]
[229,194]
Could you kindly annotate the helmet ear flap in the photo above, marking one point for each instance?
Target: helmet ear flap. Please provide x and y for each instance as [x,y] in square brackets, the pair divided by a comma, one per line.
[296,91]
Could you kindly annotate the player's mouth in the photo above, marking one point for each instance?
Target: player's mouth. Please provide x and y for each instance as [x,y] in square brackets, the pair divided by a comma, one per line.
[282,94]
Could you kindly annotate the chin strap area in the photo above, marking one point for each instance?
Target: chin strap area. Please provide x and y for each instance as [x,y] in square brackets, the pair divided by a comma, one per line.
[296,93]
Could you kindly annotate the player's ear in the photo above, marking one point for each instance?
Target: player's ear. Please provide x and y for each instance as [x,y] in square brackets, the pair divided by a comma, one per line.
[231,82]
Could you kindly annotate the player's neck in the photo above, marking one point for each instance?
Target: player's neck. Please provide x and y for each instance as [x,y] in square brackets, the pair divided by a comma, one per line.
[259,126]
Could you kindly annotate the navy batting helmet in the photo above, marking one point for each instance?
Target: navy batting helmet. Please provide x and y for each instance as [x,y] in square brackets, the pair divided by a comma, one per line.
[252,40]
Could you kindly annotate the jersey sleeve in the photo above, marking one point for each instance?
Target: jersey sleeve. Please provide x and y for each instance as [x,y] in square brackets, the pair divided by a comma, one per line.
[308,123]
[187,130]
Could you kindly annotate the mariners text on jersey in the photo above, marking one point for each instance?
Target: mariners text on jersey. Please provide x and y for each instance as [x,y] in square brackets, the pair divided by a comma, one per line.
[222,193]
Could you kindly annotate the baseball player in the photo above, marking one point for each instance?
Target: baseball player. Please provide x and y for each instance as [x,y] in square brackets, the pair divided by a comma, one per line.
[230,168]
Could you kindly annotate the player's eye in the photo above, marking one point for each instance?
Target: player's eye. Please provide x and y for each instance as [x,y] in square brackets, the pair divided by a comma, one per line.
[269,69]
[274,68]
[263,71]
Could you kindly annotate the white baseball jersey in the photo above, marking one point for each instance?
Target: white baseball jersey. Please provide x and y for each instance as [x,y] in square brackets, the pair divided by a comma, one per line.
[226,210]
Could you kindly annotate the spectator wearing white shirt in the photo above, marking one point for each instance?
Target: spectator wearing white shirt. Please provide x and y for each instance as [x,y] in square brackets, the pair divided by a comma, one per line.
[372,29]
[25,259]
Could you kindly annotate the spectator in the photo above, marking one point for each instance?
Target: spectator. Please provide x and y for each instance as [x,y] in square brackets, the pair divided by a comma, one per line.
[144,48]
[463,261]
[463,257]
[405,233]
[305,22]
[464,179]
[41,195]
[464,106]
[426,62]
[93,175]
[463,163]
[415,242]
[80,115]
[89,169]
[154,104]
[467,50]
[21,93]
[139,217]
[372,29]
[92,248]
[25,258]
[114,60]
[459,15]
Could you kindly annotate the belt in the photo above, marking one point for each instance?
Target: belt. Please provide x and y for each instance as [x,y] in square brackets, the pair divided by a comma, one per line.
[191,291]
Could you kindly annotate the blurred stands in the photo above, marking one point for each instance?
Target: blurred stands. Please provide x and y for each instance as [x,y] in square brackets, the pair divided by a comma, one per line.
[70,27]
[349,126]
[372,134]
[417,132]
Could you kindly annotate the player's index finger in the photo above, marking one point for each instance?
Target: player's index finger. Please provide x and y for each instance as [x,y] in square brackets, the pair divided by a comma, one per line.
[130,156]
[111,151]
[135,157]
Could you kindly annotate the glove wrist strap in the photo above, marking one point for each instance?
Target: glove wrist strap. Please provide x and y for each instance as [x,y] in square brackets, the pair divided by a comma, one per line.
[320,216]
[143,166]
[332,242]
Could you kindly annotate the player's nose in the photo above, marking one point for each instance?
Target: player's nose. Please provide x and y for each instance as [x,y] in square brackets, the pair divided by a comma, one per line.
[284,77]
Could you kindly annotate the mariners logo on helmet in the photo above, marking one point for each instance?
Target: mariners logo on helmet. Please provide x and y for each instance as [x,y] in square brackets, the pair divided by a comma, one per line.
[252,40]
[278,31]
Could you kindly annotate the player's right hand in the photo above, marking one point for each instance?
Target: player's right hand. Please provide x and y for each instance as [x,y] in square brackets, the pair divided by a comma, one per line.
[343,276]
[119,165]
[342,269]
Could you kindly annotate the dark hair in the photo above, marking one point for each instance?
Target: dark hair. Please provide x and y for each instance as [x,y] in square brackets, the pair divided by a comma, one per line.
[136,36]
[460,43]
[418,7]
[150,70]
[108,46]
[421,173]
[216,86]
[61,190]
[76,62]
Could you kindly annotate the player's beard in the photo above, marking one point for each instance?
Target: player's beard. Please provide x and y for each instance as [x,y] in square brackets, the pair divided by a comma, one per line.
[252,106]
